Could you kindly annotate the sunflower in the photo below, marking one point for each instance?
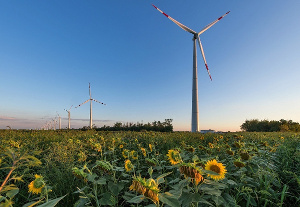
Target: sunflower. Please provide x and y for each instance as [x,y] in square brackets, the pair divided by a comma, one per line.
[174,157]
[238,144]
[230,152]
[150,147]
[190,149]
[37,185]
[190,170]
[104,166]
[128,165]
[121,146]
[148,188]
[216,167]
[125,153]
[79,173]
[151,162]
[245,155]
[134,154]
[97,147]
[211,145]
[143,151]
[81,157]
[201,147]
[239,163]
[138,187]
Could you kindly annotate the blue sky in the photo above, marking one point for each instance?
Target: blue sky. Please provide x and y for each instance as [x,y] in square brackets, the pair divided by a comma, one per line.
[140,63]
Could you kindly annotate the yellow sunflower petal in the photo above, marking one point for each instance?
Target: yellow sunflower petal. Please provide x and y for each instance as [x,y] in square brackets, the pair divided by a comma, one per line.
[217,167]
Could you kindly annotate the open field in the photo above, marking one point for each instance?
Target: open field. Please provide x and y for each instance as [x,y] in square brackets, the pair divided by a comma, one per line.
[149,169]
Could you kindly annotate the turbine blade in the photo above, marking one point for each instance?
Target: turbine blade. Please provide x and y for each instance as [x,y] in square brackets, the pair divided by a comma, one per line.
[83,103]
[70,108]
[211,24]
[98,101]
[202,51]
[185,28]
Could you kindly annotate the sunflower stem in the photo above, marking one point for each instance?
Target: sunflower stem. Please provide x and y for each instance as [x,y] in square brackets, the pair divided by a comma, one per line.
[8,175]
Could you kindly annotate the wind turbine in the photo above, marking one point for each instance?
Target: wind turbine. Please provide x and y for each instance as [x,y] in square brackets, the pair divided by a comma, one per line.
[69,116]
[91,108]
[59,120]
[195,108]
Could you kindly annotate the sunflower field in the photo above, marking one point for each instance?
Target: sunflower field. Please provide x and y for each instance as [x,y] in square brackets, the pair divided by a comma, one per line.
[90,168]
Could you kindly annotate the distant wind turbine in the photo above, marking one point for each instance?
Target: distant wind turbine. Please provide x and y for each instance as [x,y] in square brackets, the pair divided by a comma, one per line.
[69,117]
[195,108]
[91,108]
[59,120]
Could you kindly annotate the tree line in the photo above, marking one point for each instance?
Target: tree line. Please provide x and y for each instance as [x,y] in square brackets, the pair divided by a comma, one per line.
[158,126]
[254,125]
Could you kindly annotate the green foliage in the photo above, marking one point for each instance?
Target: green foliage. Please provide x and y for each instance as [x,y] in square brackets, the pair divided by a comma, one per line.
[254,125]
[156,126]
[262,168]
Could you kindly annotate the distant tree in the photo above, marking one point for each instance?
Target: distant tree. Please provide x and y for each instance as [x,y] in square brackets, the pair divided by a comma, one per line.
[165,126]
[254,125]
[250,125]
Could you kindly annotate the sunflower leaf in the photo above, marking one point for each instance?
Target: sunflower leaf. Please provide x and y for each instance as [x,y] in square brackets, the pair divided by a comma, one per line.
[169,199]
[52,203]
[137,199]
[160,179]
[12,193]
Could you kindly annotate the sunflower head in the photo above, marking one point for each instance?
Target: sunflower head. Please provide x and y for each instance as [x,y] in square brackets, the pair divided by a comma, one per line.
[79,173]
[148,188]
[125,153]
[128,165]
[174,157]
[137,185]
[211,145]
[230,152]
[239,163]
[216,167]
[104,166]
[190,148]
[238,144]
[97,147]
[150,147]
[134,154]
[151,162]
[201,147]
[245,155]
[37,185]
[190,170]
[81,156]
[143,151]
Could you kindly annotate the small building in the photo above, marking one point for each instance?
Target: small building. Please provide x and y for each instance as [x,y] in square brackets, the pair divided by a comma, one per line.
[207,131]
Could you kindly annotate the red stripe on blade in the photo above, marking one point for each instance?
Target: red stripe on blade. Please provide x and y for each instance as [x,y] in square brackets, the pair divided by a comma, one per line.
[154,6]
[220,18]
[165,14]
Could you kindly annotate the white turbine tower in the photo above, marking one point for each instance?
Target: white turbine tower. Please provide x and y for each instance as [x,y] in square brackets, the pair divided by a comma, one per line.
[91,108]
[195,109]
[69,117]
